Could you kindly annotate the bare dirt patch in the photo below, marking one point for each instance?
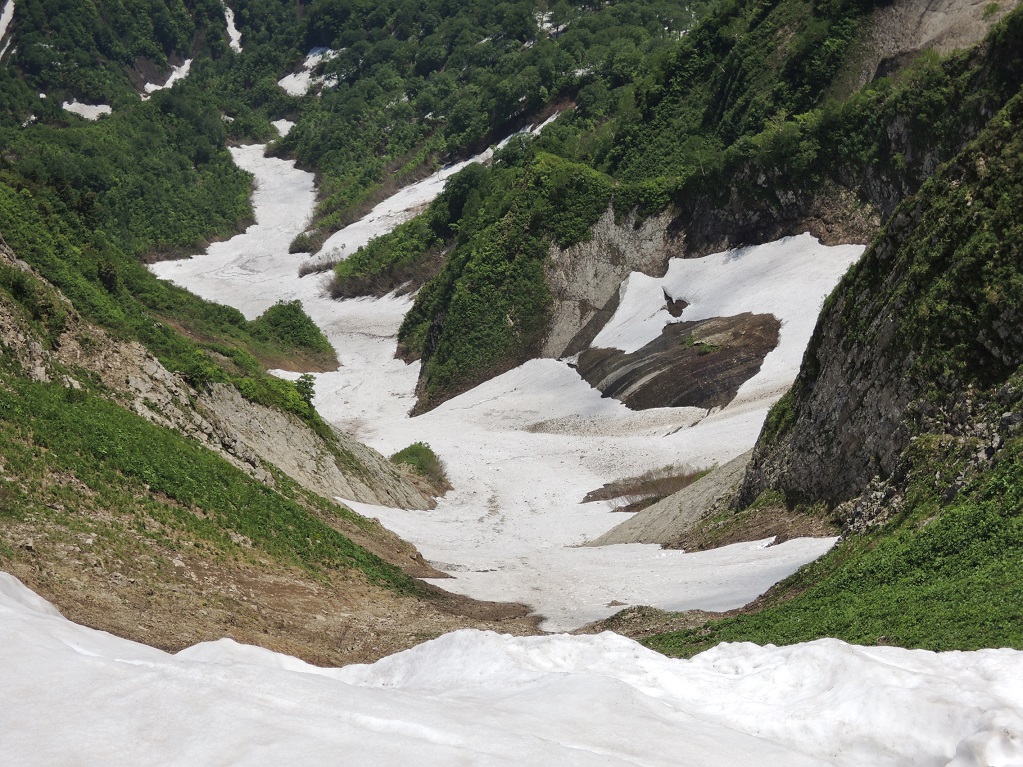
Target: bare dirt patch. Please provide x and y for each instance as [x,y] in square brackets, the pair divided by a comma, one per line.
[754,524]
[174,597]
[640,622]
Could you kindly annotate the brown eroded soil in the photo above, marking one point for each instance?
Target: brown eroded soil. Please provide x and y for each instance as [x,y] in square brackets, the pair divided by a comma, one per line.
[172,597]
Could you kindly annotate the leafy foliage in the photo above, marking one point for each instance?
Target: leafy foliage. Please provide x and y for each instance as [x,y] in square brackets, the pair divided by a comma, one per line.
[418,81]
[421,457]
[487,309]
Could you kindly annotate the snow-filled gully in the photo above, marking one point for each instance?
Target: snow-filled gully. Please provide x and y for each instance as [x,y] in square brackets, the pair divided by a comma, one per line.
[74,695]
[524,448]
[521,449]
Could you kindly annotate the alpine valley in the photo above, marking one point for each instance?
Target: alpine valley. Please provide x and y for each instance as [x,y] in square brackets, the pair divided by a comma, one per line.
[631,382]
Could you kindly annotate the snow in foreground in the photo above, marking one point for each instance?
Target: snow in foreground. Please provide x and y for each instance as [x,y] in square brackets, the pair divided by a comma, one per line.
[524,448]
[81,696]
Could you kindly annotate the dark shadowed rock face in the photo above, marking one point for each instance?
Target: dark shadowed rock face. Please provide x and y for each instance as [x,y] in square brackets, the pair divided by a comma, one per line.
[927,327]
[692,364]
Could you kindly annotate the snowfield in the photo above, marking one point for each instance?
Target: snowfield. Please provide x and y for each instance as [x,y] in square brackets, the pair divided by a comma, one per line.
[81,696]
[524,448]
[88,111]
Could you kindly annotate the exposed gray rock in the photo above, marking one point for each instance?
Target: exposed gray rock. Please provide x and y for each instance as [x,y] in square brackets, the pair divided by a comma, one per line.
[349,470]
[246,434]
[898,30]
[669,518]
[584,278]
[690,364]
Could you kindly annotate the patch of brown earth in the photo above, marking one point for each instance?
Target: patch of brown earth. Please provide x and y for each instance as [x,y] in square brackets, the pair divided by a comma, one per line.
[176,593]
[754,524]
[691,364]
[640,622]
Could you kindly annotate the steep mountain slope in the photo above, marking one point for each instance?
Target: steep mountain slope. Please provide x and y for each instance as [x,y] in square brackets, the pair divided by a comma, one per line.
[725,145]
[170,514]
[904,425]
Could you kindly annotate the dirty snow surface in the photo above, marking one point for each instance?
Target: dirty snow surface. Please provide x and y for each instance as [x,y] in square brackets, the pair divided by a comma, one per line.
[524,448]
[81,696]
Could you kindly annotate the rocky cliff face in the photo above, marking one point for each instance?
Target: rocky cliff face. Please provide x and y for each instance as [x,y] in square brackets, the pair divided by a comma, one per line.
[923,336]
[584,278]
[247,434]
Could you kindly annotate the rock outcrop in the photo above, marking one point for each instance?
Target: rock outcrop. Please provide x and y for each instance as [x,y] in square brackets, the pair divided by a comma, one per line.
[584,278]
[691,364]
[245,433]
[668,519]
[920,334]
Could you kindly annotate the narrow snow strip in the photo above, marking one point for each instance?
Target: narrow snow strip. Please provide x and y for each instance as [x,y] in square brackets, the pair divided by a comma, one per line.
[6,17]
[86,697]
[283,126]
[177,73]
[88,111]
[232,31]
[408,202]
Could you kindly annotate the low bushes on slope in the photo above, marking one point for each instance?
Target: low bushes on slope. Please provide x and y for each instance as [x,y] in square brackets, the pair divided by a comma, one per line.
[942,576]
[420,456]
[156,481]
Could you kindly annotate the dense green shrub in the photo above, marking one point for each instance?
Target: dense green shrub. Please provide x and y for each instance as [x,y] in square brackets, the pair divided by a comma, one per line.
[421,457]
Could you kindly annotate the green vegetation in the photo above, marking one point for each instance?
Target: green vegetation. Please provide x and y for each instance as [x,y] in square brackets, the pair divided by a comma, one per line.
[153,480]
[689,138]
[940,576]
[487,309]
[421,457]
[286,324]
[418,82]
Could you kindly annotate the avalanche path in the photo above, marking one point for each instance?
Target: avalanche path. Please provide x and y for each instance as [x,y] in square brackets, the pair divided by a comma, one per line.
[522,449]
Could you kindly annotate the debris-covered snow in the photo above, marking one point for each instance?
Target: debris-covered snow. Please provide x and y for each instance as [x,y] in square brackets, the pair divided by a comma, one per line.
[233,34]
[86,697]
[179,72]
[522,449]
[6,17]
[88,111]
[298,83]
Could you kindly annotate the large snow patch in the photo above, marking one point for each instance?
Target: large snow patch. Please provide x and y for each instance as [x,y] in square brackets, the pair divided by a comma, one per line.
[75,695]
